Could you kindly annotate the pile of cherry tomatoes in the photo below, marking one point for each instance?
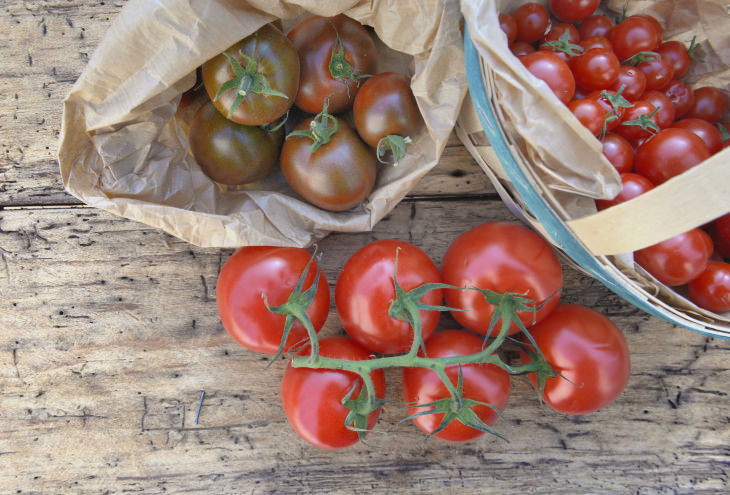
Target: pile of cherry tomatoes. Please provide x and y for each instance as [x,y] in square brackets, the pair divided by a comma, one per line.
[624,84]
[324,66]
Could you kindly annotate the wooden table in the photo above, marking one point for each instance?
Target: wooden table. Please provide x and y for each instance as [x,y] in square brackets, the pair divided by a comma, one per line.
[109,333]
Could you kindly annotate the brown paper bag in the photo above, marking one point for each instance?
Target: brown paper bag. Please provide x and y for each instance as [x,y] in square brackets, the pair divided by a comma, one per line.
[123,151]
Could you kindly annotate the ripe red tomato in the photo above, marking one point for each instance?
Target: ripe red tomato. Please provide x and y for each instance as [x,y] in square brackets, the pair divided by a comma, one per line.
[553,71]
[611,112]
[590,113]
[502,257]
[654,22]
[597,68]
[633,35]
[632,131]
[676,52]
[557,32]
[676,260]
[711,288]
[595,42]
[658,71]
[316,40]
[520,48]
[589,352]
[509,26]
[710,104]
[532,22]
[720,232]
[709,133]
[365,291]
[668,154]
[573,10]
[633,81]
[665,116]
[632,185]
[681,95]
[273,271]
[619,152]
[597,25]
[482,382]
[312,398]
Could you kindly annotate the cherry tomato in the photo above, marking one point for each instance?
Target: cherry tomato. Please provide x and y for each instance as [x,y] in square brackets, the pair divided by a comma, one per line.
[595,69]
[711,288]
[632,185]
[676,52]
[720,232]
[597,25]
[631,131]
[633,81]
[681,95]
[676,260]
[532,22]
[337,176]
[365,292]
[589,352]
[573,10]
[509,26]
[595,42]
[619,152]
[665,116]
[654,22]
[502,257]
[709,133]
[658,71]
[553,71]
[312,398]
[633,35]
[668,154]
[581,94]
[325,76]
[557,32]
[482,382]
[590,113]
[274,59]
[273,271]
[610,111]
[519,48]
[710,104]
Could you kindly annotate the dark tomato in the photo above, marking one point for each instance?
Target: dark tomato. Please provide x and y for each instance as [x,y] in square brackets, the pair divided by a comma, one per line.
[709,133]
[315,38]
[595,69]
[631,131]
[276,60]
[632,185]
[710,104]
[557,32]
[365,291]
[573,10]
[658,72]
[633,81]
[711,288]
[588,352]
[509,26]
[681,95]
[633,35]
[597,25]
[519,48]
[532,22]
[610,111]
[503,257]
[720,232]
[337,176]
[590,113]
[676,260]
[595,42]
[581,93]
[231,153]
[553,71]
[482,382]
[312,398]
[665,115]
[619,152]
[668,154]
[273,271]
[676,52]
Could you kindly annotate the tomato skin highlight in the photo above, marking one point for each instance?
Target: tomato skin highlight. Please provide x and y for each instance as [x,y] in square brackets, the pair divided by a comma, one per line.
[619,152]
[635,132]
[509,26]
[503,257]
[520,48]
[589,351]
[255,270]
[597,68]
[532,21]
[553,71]
[482,382]
[590,113]
[365,290]
[658,72]
[676,53]
[573,10]
[709,133]
[668,154]
[633,35]
[633,81]
[681,95]
[711,288]
[632,185]
[665,116]
[312,397]
[676,260]
[595,42]
[597,25]
[710,104]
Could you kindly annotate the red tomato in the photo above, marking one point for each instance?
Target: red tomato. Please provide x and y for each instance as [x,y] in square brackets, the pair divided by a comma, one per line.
[482,382]
[720,232]
[595,42]
[532,22]
[681,95]
[668,154]
[676,260]
[553,71]
[619,152]
[711,288]
[573,10]
[502,257]
[595,69]
[654,22]
[631,131]
[520,48]
[676,52]
[633,81]
[610,110]
[658,71]
[581,94]
[598,25]
[274,271]
[710,104]
[589,352]
[709,133]
[633,35]
[365,291]
[665,116]
[557,31]
[632,185]
[590,113]
[312,398]
[509,26]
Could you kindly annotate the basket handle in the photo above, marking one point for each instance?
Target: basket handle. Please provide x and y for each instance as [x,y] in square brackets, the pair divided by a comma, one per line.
[694,198]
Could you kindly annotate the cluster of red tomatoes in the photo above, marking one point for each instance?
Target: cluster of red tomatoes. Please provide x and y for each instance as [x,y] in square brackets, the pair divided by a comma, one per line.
[324,66]
[624,85]
[584,348]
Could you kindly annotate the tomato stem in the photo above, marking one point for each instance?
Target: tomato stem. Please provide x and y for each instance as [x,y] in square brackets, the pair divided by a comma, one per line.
[397,145]
[321,129]
[340,69]
[564,45]
[640,57]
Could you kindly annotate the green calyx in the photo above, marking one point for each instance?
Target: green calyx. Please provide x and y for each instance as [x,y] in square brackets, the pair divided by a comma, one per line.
[692,50]
[724,132]
[246,80]
[565,46]
[641,57]
[321,129]
[340,69]
[396,145]
[617,102]
[645,121]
